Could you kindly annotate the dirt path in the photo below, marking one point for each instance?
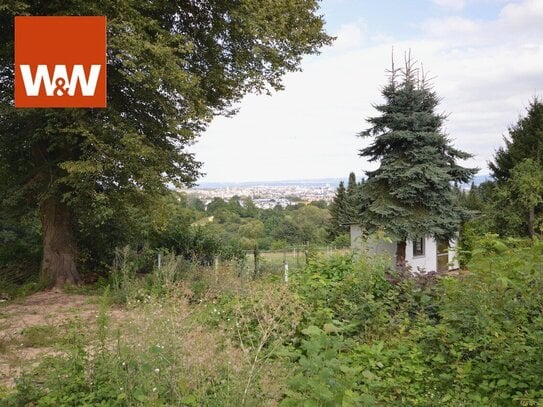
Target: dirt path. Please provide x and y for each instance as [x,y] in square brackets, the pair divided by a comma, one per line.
[29,329]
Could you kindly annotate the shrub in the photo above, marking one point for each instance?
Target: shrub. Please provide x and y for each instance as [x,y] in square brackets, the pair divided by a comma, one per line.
[472,340]
[325,375]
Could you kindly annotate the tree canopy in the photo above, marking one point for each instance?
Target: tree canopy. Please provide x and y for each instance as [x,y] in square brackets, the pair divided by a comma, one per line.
[343,209]
[510,204]
[525,140]
[172,66]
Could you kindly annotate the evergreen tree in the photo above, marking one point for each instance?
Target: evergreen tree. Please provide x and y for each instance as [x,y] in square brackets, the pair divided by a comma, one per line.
[351,185]
[511,203]
[351,212]
[525,140]
[338,211]
[410,195]
[472,199]
[172,66]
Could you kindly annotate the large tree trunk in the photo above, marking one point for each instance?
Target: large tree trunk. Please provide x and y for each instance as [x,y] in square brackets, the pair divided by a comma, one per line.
[400,256]
[531,222]
[59,246]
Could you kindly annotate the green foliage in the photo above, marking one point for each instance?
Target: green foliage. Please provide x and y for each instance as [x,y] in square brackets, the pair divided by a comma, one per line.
[387,339]
[495,210]
[526,185]
[99,375]
[489,330]
[172,66]
[508,207]
[25,286]
[325,376]
[158,353]
[20,249]
[410,194]
[344,331]
[510,204]
[527,182]
[245,226]
[342,240]
[343,210]
[525,140]
[338,212]
[129,287]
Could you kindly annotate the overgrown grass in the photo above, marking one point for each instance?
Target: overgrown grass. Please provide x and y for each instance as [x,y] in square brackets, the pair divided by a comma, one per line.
[173,346]
[128,287]
[343,332]
[40,336]
[10,291]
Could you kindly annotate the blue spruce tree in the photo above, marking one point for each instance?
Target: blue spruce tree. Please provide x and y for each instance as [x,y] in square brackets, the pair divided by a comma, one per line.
[411,194]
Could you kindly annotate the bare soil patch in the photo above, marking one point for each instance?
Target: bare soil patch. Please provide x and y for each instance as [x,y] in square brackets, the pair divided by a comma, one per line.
[22,322]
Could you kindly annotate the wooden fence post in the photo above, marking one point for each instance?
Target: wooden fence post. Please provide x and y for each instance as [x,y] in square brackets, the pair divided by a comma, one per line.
[216,269]
[256,254]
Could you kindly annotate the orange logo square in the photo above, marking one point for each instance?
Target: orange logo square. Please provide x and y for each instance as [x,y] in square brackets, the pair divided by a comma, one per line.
[60,61]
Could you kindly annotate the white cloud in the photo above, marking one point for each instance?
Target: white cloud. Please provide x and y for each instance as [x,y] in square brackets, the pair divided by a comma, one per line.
[460,5]
[451,4]
[518,23]
[349,36]
[486,72]
[525,15]
[451,26]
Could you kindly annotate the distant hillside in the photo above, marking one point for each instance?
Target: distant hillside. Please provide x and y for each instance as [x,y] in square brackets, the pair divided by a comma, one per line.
[478,179]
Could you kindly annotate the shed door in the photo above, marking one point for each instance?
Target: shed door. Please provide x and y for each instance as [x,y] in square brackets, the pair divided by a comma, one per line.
[442,255]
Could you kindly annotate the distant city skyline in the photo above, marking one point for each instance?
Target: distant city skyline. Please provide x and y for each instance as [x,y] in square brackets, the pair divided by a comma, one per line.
[486,56]
[268,194]
[334,181]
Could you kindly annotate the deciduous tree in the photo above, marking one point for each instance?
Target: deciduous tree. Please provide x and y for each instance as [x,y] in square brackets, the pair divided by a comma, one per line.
[172,66]
[526,185]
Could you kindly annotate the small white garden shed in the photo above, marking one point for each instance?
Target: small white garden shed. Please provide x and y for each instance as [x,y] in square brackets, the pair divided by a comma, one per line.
[423,255]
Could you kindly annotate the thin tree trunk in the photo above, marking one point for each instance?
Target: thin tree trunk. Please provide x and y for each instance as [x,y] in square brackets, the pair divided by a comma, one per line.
[59,247]
[400,255]
[531,222]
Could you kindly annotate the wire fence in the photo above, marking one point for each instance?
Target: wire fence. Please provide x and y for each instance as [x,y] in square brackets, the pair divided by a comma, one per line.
[255,263]
[259,262]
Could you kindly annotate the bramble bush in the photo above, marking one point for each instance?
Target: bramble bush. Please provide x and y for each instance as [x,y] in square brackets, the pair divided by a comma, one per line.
[373,337]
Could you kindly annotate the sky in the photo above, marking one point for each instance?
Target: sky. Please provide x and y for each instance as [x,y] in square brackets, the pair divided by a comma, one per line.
[485,58]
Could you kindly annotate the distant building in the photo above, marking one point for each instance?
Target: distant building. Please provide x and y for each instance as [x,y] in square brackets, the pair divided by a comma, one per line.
[270,203]
[423,255]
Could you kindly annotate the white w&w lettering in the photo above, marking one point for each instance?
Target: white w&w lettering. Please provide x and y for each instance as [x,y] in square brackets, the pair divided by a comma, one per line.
[59,84]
